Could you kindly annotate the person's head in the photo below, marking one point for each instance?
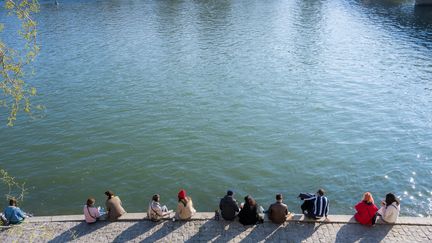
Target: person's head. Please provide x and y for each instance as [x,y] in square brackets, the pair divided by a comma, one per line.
[367,198]
[321,192]
[249,201]
[230,193]
[181,195]
[391,198]
[156,197]
[12,202]
[109,194]
[90,202]
[278,197]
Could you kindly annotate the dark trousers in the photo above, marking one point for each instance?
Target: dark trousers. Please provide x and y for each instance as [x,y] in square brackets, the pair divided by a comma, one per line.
[307,208]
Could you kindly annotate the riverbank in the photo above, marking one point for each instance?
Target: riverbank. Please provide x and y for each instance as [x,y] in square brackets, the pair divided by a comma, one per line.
[203,228]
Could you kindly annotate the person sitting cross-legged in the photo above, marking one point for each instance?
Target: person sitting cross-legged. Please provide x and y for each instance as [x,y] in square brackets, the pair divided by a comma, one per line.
[278,211]
[228,206]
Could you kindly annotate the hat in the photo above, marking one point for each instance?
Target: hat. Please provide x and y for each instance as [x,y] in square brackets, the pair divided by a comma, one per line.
[182,194]
[230,193]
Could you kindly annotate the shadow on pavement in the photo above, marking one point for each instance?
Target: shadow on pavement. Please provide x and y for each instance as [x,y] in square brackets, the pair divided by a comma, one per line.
[135,230]
[361,233]
[167,228]
[217,231]
[78,231]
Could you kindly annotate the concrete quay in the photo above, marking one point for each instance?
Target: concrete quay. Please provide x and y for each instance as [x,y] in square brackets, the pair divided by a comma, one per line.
[134,227]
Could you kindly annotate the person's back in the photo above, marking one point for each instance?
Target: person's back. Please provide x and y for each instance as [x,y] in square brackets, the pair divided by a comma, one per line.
[155,211]
[91,213]
[316,206]
[278,211]
[249,213]
[228,206]
[14,214]
[390,209]
[366,210]
[185,209]
[113,206]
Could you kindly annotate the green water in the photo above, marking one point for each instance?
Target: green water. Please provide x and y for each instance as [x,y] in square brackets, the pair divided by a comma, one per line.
[261,97]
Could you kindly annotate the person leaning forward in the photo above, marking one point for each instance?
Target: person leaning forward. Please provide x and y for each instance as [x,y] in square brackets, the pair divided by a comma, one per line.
[278,211]
[113,206]
[228,206]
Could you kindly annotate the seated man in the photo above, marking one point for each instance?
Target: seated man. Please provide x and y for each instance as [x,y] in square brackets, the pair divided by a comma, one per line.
[13,214]
[228,206]
[278,211]
[315,206]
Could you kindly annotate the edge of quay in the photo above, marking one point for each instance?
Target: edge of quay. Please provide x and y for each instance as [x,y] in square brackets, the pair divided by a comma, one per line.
[297,218]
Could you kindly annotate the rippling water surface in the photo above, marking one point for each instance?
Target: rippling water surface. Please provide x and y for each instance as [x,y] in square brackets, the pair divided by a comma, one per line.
[260,97]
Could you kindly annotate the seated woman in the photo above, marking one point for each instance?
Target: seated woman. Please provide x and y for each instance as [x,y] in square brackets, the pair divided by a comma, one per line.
[91,213]
[366,210]
[155,211]
[185,209]
[390,209]
[249,214]
[13,214]
[113,206]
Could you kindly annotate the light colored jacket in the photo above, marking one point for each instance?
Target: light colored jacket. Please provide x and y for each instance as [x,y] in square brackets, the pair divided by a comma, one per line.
[390,213]
[91,214]
[185,211]
[154,211]
[114,208]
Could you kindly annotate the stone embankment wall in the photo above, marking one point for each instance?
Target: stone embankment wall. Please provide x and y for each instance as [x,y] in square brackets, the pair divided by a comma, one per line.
[134,227]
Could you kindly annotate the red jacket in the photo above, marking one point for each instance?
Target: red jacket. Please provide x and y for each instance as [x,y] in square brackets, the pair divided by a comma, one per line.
[365,212]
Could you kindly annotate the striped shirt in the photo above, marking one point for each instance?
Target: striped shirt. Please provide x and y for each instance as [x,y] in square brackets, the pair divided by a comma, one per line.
[321,206]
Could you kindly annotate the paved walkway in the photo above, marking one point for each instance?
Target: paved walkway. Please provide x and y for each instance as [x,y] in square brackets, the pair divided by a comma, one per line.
[204,229]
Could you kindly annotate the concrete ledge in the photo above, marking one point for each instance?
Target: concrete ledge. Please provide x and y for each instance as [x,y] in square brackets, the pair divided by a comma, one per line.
[299,218]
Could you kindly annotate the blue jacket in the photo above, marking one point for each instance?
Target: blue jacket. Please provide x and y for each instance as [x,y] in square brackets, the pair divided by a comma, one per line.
[14,214]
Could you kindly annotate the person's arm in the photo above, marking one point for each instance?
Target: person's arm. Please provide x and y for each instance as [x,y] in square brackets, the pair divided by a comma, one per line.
[20,213]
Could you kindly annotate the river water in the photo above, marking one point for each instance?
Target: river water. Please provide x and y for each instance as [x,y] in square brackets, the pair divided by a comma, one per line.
[261,97]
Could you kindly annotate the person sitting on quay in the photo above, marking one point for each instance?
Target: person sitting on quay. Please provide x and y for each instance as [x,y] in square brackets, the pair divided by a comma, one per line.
[155,211]
[113,206]
[366,210]
[249,212]
[228,206]
[91,213]
[278,211]
[315,206]
[13,214]
[390,209]
[185,209]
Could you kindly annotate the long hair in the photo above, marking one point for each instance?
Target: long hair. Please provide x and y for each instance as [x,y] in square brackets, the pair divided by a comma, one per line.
[391,198]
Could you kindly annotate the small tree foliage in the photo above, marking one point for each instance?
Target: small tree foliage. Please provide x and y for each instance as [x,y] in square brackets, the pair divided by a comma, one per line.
[15,93]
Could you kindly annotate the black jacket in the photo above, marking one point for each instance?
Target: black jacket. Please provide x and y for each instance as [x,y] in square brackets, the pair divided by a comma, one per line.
[228,207]
[249,215]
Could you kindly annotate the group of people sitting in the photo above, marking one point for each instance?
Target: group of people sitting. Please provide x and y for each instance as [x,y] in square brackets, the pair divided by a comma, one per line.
[315,206]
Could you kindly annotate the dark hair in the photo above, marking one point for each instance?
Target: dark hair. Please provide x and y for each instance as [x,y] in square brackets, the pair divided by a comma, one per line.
[156,197]
[250,201]
[110,194]
[391,198]
[230,193]
[90,201]
[12,202]
[279,196]
[321,192]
